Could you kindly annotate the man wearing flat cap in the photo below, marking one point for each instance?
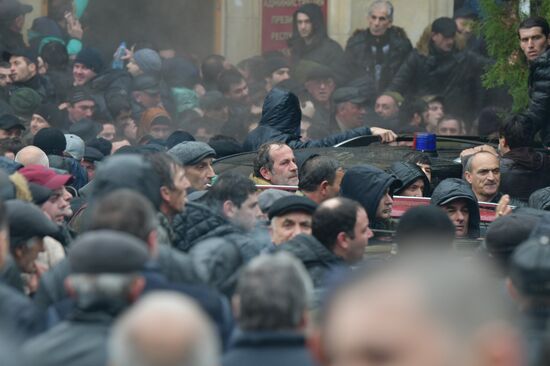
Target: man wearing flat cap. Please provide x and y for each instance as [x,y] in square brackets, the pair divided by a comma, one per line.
[28,226]
[105,279]
[12,19]
[349,109]
[196,158]
[290,216]
[436,67]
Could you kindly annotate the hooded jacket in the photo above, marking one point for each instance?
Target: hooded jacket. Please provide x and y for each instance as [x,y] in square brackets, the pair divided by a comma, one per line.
[409,173]
[367,185]
[523,171]
[362,57]
[540,199]
[454,188]
[147,118]
[322,49]
[281,118]
[318,260]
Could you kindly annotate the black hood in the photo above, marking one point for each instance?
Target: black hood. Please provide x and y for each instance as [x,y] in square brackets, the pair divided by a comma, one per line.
[367,185]
[453,188]
[315,14]
[540,199]
[127,171]
[408,173]
[281,111]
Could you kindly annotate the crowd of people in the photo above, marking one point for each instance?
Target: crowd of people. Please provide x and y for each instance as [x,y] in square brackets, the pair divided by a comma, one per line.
[121,245]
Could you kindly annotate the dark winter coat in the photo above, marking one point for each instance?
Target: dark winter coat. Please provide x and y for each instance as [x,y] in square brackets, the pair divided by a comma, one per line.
[538,112]
[322,49]
[455,75]
[268,349]
[218,248]
[540,199]
[39,84]
[107,84]
[10,40]
[281,118]
[523,171]
[367,185]
[409,173]
[318,260]
[18,315]
[78,341]
[379,57]
[176,267]
[453,188]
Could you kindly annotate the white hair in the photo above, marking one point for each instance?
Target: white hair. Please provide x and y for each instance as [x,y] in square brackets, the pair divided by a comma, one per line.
[158,322]
[379,3]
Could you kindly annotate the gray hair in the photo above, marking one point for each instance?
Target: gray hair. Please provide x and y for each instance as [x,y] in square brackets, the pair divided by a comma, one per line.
[159,321]
[379,3]
[467,160]
[274,291]
[90,287]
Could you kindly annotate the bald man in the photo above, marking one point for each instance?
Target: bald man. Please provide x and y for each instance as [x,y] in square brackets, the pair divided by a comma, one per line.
[163,329]
[32,155]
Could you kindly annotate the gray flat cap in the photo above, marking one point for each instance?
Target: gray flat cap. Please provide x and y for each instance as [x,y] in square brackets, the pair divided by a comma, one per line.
[192,152]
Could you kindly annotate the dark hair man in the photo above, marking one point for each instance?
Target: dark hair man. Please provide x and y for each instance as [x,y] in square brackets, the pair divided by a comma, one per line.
[320,178]
[234,88]
[272,332]
[310,41]
[105,279]
[380,49]
[415,182]
[275,164]
[438,68]
[340,233]
[533,39]
[24,73]
[173,192]
[457,199]
[523,170]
